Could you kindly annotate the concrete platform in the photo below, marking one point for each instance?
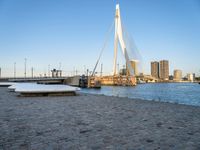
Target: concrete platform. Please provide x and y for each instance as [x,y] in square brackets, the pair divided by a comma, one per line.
[15,85]
[45,90]
[6,84]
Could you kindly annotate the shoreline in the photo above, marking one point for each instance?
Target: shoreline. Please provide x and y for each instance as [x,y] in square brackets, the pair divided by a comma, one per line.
[90,121]
[139,99]
[174,93]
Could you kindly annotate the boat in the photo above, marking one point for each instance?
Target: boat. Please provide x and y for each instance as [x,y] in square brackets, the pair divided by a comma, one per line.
[140,81]
[94,82]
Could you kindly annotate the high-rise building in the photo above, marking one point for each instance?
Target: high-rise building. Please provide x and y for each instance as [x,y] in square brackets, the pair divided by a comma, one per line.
[191,77]
[155,69]
[177,75]
[134,65]
[164,69]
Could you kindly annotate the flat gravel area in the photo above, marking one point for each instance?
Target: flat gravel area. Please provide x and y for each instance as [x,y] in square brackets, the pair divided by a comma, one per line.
[95,122]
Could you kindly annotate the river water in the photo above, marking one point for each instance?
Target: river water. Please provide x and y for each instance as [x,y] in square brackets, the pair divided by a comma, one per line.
[181,93]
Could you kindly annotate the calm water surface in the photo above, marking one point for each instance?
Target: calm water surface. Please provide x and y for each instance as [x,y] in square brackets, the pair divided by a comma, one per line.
[182,93]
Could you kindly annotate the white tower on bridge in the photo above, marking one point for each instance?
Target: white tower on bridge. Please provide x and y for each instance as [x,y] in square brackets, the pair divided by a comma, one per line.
[120,40]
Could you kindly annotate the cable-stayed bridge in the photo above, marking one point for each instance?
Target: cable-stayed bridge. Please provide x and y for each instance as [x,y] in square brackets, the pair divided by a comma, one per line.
[121,41]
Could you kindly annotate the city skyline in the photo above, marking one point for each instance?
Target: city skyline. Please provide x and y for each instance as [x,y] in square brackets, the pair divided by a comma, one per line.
[71,33]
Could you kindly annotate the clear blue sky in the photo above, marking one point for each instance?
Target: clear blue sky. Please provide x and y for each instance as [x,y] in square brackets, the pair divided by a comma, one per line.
[72,32]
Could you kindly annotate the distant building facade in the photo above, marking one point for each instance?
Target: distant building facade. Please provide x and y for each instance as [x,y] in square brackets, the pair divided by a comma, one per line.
[190,77]
[171,77]
[134,65]
[123,72]
[164,70]
[177,75]
[155,69]
[56,73]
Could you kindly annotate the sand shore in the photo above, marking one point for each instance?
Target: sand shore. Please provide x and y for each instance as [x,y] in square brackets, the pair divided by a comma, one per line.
[95,122]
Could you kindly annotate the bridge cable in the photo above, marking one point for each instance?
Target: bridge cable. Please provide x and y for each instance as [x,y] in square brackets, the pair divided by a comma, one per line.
[104,46]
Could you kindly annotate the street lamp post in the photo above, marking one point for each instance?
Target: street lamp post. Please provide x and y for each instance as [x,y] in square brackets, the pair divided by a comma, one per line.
[49,70]
[101,70]
[25,67]
[14,69]
[32,72]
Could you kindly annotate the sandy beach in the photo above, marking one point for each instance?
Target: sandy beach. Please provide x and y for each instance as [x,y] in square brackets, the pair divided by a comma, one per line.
[96,122]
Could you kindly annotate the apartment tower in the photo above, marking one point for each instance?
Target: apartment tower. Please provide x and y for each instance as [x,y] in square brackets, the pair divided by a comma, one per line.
[164,70]
[155,69]
[134,65]
[177,75]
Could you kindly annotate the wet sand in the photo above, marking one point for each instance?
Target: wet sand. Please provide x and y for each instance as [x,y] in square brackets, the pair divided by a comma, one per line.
[96,122]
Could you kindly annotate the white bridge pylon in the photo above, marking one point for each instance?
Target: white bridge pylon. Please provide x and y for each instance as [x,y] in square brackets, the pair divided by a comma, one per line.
[120,40]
